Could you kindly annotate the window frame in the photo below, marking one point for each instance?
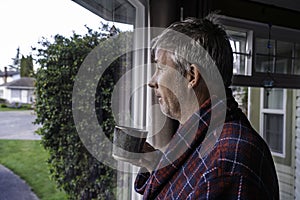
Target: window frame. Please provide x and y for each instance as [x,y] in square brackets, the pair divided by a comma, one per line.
[282,111]
[15,94]
[248,48]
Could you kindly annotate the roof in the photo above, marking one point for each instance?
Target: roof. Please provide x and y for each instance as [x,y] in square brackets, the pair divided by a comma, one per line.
[9,73]
[22,82]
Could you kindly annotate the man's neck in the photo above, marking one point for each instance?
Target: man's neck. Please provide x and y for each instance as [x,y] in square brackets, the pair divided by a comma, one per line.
[191,108]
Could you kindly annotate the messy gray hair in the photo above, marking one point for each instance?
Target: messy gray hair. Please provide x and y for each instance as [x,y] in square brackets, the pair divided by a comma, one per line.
[209,34]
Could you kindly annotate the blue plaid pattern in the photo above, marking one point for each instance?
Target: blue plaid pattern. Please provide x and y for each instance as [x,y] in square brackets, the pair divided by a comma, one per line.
[240,165]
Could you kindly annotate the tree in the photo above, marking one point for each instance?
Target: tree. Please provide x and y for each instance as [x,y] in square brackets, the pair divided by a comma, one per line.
[71,165]
[16,61]
[26,66]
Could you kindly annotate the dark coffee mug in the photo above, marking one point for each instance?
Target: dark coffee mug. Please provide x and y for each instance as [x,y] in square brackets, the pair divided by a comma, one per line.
[128,142]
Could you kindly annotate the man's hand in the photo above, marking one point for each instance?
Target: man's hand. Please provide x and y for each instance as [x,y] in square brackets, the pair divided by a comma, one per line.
[148,161]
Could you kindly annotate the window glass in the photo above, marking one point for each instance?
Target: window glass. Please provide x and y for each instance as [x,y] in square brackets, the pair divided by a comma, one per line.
[283,66]
[273,99]
[239,64]
[297,59]
[241,48]
[281,58]
[273,119]
[15,93]
[238,41]
[264,63]
[273,131]
[284,49]
[262,46]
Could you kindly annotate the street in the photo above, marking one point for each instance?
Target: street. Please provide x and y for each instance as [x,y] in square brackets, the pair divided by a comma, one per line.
[18,125]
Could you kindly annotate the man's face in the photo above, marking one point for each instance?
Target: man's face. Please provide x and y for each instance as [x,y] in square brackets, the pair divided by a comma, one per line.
[168,84]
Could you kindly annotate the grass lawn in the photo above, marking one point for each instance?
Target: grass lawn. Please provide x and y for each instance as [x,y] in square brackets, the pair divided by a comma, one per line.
[28,160]
[13,109]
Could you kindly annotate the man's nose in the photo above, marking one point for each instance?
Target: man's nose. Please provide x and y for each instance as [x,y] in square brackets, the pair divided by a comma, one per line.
[153,83]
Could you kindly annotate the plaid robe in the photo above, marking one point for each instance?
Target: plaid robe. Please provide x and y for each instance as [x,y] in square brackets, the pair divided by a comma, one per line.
[239,165]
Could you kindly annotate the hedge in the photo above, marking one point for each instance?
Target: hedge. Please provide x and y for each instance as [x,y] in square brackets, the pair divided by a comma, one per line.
[71,165]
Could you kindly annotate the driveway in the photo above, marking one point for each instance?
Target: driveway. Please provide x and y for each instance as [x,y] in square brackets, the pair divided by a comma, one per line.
[18,125]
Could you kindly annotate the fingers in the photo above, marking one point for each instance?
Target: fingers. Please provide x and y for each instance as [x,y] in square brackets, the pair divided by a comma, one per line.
[148,159]
[148,148]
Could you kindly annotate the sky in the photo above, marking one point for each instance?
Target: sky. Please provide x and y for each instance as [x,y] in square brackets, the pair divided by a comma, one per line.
[24,23]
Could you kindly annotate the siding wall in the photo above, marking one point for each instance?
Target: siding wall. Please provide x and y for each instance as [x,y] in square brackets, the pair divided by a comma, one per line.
[297,154]
[286,181]
[285,172]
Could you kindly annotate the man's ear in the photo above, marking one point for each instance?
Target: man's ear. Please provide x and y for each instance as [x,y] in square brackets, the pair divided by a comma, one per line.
[194,76]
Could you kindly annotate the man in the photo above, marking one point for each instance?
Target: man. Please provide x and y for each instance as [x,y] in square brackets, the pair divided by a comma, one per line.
[235,163]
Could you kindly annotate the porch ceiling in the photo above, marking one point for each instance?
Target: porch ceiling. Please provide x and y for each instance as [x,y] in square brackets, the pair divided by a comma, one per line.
[111,10]
[288,4]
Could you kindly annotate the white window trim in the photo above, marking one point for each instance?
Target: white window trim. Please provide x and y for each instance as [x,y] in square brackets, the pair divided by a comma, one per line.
[140,99]
[249,48]
[274,111]
[140,42]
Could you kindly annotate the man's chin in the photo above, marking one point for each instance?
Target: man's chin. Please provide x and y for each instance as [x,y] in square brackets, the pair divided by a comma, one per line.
[166,112]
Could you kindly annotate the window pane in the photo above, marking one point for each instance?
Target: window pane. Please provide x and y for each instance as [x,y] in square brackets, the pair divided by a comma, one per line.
[297,60]
[284,49]
[273,99]
[273,131]
[239,64]
[16,94]
[238,41]
[262,46]
[264,63]
[241,96]
[283,66]
[241,56]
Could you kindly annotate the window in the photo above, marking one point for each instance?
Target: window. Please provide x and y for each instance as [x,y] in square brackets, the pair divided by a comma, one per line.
[1,94]
[15,94]
[273,119]
[276,56]
[256,58]
[241,44]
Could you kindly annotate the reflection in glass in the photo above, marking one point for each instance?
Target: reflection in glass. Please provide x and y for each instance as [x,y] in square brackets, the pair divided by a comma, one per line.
[241,96]
[284,49]
[262,46]
[283,66]
[264,63]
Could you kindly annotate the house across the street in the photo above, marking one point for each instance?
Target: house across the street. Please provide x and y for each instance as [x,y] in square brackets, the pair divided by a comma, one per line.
[18,91]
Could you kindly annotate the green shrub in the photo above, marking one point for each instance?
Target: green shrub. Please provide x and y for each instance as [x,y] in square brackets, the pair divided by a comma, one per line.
[3,105]
[26,106]
[3,101]
[71,165]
